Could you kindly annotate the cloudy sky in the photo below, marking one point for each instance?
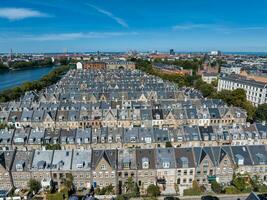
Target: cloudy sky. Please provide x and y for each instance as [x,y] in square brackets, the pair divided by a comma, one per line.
[121,25]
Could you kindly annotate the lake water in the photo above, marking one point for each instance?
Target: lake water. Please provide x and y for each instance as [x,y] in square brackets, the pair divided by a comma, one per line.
[14,78]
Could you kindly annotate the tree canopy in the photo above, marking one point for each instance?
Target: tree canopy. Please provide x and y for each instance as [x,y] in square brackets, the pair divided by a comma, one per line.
[153,190]
[261,112]
[34,185]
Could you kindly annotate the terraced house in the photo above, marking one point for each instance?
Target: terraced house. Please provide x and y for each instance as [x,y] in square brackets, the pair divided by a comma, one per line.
[112,125]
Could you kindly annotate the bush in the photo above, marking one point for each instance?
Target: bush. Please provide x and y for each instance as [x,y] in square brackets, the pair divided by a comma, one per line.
[63,194]
[262,189]
[216,187]
[191,192]
[132,189]
[105,190]
[52,147]
[168,144]
[196,190]
[34,185]
[261,112]
[56,196]
[231,190]
[153,191]
[150,198]
[121,197]
[243,183]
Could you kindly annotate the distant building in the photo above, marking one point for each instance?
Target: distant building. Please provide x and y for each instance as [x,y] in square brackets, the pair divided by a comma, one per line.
[256,91]
[209,77]
[256,77]
[230,69]
[171,69]
[117,64]
[94,65]
[172,52]
[79,65]
[216,53]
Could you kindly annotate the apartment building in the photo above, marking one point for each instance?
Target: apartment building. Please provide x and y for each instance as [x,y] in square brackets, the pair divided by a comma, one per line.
[256,92]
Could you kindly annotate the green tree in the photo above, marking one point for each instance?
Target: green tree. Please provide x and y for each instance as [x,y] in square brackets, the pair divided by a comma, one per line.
[231,190]
[34,185]
[3,67]
[216,187]
[131,188]
[237,98]
[64,61]
[207,90]
[52,147]
[153,190]
[68,182]
[121,197]
[214,83]
[168,144]
[243,183]
[196,190]
[105,190]
[261,112]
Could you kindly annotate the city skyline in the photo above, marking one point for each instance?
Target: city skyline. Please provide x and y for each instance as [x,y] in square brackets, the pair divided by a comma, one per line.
[53,26]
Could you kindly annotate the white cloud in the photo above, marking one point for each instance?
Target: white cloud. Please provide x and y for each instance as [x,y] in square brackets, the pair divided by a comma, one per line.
[70,36]
[217,27]
[189,26]
[110,15]
[20,13]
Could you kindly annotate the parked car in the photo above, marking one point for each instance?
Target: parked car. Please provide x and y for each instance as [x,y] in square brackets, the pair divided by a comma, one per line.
[171,198]
[209,197]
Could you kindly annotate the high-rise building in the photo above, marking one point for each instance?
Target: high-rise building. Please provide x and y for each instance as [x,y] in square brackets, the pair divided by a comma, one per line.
[172,52]
[216,53]
[10,55]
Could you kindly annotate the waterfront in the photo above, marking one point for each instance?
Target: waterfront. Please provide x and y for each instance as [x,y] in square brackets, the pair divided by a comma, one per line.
[15,78]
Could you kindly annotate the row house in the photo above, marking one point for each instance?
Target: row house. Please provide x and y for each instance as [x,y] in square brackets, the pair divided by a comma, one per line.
[133,137]
[105,117]
[172,169]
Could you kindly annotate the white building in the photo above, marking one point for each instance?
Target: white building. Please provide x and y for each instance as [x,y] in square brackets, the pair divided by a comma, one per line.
[230,69]
[256,91]
[215,53]
[209,77]
[79,65]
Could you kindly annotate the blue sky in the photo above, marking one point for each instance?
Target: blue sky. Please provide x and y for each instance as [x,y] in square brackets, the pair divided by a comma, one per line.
[122,25]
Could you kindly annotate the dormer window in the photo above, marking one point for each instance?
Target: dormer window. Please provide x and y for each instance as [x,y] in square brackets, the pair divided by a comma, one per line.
[260,158]
[184,161]
[103,167]
[145,163]
[166,164]
[126,165]
[118,138]
[80,165]
[132,139]
[20,166]
[148,139]
[240,159]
